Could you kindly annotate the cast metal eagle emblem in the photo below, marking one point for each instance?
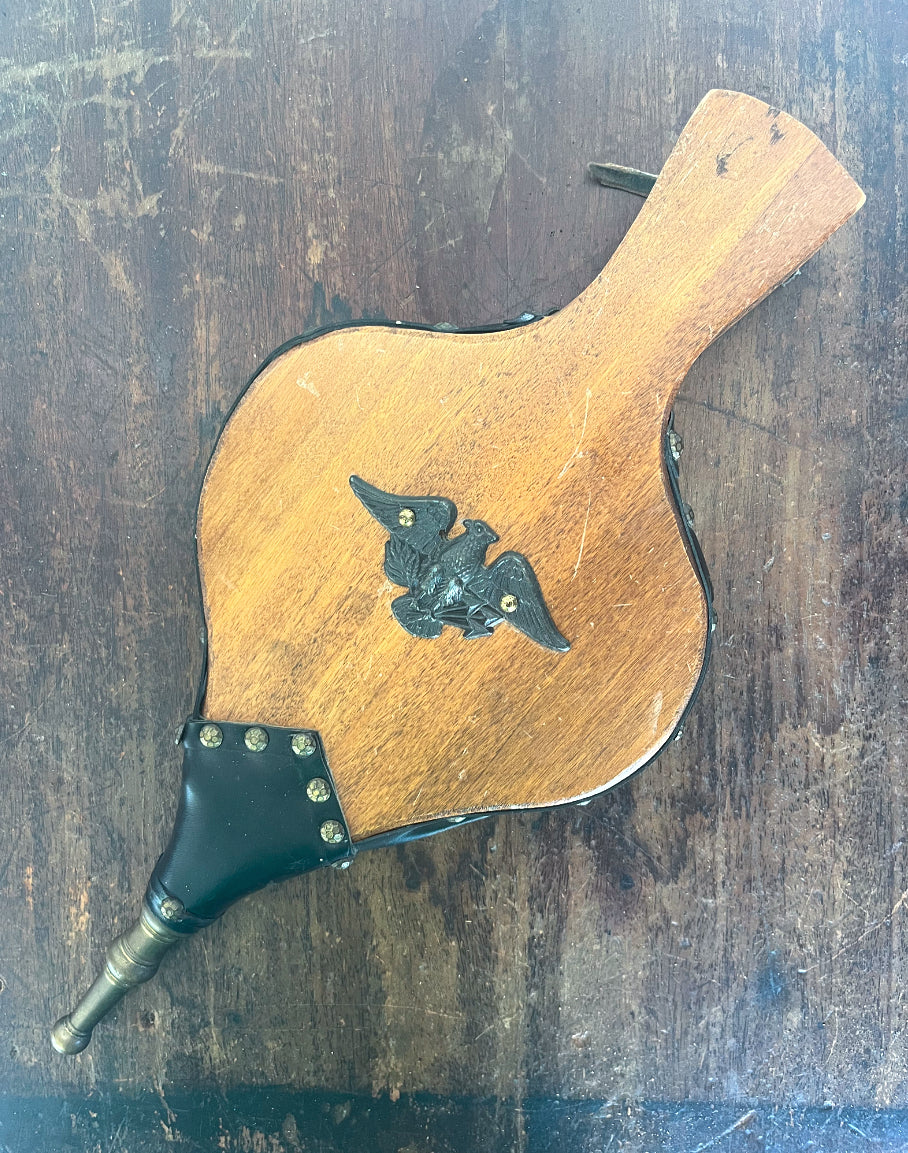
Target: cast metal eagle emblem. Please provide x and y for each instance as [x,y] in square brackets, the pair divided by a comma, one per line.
[447,579]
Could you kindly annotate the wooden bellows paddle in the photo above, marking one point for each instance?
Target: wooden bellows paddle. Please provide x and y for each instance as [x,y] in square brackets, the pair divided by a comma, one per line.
[374,672]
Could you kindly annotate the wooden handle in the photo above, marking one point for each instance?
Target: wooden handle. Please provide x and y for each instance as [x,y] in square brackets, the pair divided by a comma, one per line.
[747,195]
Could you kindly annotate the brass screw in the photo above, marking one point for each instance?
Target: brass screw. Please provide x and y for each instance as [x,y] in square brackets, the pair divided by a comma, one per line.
[509,603]
[255,739]
[318,790]
[332,832]
[171,908]
[210,736]
[303,744]
[406,517]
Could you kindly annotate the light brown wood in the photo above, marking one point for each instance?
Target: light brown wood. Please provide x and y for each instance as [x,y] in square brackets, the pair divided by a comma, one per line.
[552,434]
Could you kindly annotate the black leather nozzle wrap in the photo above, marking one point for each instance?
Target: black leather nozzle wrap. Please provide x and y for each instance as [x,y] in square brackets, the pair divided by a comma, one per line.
[246,818]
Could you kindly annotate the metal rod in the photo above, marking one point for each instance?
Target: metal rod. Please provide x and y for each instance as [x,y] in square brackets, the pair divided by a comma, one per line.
[626,179]
[130,960]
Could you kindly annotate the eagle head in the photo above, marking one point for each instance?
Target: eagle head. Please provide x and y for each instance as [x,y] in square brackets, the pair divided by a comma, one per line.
[479,530]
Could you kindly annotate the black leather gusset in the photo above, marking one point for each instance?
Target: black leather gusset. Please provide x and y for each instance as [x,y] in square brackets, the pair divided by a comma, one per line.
[247,817]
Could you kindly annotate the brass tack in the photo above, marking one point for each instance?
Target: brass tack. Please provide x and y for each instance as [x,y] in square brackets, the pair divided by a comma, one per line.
[171,908]
[332,832]
[318,790]
[303,744]
[210,736]
[255,739]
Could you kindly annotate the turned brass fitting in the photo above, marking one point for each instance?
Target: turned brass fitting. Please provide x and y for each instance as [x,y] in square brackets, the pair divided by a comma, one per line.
[130,960]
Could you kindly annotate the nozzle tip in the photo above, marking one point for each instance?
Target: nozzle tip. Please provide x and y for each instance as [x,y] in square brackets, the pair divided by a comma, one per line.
[66,1039]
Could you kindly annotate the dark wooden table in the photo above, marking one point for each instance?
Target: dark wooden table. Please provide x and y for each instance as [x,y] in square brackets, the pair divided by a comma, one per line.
[711,956]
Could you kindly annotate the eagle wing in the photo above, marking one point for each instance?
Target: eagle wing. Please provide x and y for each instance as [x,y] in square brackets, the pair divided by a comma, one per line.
[512,576]
[431,516]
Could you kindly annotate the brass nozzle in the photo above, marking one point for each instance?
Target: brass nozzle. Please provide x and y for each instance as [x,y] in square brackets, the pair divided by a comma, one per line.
[130,960]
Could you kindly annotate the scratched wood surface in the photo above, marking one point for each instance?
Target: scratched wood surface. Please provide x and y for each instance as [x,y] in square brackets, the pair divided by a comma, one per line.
[182,187]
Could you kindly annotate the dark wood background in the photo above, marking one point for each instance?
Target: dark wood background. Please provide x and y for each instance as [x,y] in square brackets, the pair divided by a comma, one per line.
[185,185]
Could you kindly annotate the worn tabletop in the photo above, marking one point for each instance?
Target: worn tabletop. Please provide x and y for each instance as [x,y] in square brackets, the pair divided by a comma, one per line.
[713,954]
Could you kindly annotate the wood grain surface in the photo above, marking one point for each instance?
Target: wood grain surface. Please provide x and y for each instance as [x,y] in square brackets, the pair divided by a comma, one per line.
[185,185]
[554,433]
